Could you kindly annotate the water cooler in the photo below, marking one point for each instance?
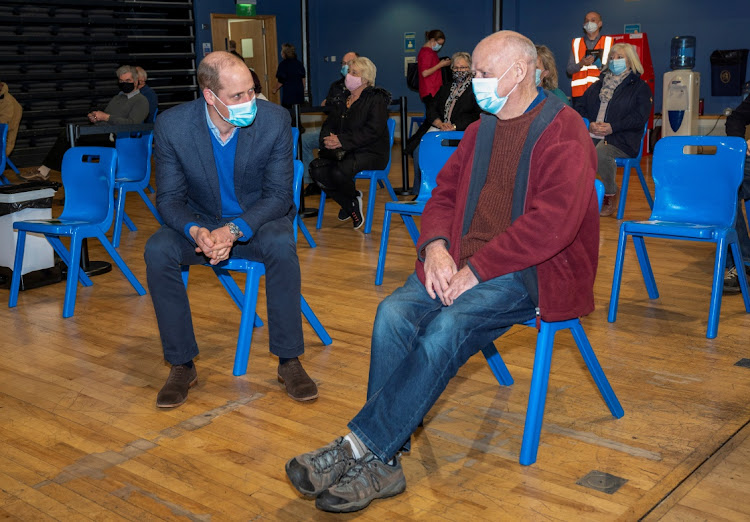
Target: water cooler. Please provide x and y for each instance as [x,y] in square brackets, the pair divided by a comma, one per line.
[681,90]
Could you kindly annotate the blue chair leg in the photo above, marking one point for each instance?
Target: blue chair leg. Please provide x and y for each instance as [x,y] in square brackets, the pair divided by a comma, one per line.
[411,227]
[371,204]
[11,166]
[321,208]
[120,262]
[537,394]
[306,233]
[582,341]
[150,188]
[4,180]
[227,281]
[128,222]
[744,287]
[15,282]
[646,190]
[383,247]
[119,217]
[71,286]
[65,256]
[614,295]
[314,322]
[623,189]
[150,206]
[648,273]
[717,288]
[497,365]
[245,336]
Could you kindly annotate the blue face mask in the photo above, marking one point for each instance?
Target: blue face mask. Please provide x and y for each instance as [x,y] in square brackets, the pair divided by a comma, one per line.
[485,91]
[617,66]
[240,115]
[344,69]
[437,47]
[538,79]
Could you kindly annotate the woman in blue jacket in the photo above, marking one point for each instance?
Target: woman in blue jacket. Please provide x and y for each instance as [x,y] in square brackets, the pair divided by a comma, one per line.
[618,107]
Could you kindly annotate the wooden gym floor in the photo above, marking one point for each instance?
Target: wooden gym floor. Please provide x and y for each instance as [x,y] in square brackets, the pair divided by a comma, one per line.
[81,438]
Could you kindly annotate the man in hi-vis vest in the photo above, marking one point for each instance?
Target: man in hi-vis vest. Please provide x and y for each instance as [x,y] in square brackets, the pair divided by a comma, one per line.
[588,55]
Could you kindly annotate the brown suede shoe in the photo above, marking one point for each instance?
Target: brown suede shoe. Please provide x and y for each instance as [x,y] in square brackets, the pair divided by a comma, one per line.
[175,390]
[609,205]
[299,385]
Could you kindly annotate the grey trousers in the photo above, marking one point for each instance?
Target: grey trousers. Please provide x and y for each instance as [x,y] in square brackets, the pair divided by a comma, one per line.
[607,168]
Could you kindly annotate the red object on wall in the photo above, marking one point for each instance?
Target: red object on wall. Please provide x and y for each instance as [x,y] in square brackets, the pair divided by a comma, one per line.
[640,42]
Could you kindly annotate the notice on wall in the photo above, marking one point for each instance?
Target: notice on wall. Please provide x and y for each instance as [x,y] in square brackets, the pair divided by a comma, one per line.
[410,42]
[632,28]
[407,61]
[206,48]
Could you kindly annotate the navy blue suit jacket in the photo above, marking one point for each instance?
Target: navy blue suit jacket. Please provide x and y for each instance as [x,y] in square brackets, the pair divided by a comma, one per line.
[186,176]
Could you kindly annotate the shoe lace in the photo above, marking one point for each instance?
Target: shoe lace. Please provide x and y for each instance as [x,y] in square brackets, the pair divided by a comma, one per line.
[364,471]
[733,272]
[330,457]
[178,373]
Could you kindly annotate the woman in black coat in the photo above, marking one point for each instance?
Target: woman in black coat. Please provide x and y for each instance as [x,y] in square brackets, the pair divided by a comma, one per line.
[353,138]
[618,107]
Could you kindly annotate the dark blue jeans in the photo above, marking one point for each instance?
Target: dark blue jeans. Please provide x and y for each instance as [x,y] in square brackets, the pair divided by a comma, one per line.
[739,224]
[418,345]
[273,244]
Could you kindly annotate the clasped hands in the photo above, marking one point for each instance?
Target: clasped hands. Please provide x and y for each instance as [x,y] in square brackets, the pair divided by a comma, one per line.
[331,141]
[97,116]
[442,278]
[214,244]
[600,128]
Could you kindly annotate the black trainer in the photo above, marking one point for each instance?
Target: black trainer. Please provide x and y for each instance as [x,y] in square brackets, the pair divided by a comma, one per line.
[732,280]
[356,211]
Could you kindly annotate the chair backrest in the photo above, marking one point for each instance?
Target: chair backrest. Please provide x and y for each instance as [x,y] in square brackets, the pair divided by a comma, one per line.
[3,141]
[88,175]
[643,138]
[134,157]
[697,188]
[391,132]
[295,141]
[434,150]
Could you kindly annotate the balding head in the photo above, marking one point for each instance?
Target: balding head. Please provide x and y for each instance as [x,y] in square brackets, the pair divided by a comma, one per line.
[592,16]
[213,66]
[503,48]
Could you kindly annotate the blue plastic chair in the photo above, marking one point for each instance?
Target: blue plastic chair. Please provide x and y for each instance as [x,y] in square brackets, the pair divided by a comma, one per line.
[295,141]
[376,177]
[435,149]
[416,120]
[540,374]
[248,300]
[88,175]
[133,175]
[696,200]
[3,158]
[149,187]
[632,163]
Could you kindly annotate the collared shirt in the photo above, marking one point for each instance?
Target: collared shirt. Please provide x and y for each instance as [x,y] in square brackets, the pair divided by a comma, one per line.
[131,93]
[215,130]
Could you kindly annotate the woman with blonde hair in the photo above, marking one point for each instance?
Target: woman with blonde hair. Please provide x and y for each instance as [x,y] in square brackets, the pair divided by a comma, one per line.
[546,72]
[618,107]
[354,137]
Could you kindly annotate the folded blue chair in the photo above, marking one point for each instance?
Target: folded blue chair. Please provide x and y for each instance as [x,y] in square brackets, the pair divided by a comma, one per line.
[88,175]
[540,374]
[248,300]
[696,200]
[376,177]
[133,175]
[435,149]
[632,163]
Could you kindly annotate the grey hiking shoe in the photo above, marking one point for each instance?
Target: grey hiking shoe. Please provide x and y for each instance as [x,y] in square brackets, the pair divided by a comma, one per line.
[368,479]
[314,472]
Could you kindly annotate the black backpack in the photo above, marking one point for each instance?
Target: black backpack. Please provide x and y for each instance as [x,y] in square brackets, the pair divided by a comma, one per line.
[412,76]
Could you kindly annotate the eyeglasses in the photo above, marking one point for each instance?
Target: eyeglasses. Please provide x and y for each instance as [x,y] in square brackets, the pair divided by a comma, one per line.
[459,68]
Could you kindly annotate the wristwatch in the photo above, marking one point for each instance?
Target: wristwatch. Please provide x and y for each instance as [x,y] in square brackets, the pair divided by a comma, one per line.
[234,229]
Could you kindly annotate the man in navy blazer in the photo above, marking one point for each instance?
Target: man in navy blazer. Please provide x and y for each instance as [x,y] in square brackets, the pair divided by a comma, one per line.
[224,189]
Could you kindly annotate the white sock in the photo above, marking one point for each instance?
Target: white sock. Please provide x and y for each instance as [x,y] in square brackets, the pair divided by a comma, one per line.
[358,447]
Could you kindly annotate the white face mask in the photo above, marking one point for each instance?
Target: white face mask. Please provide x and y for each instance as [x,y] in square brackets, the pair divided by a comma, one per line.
[590,27]
[485,91]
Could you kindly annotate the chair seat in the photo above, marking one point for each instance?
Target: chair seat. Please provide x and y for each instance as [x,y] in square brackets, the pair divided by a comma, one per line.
[55,226]
[404,207]
[672,229]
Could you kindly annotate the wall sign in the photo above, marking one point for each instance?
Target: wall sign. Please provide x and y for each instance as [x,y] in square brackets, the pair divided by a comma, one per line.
[410,42]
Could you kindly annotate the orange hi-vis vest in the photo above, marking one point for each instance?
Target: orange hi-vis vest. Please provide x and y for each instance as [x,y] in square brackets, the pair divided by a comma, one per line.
[588,73]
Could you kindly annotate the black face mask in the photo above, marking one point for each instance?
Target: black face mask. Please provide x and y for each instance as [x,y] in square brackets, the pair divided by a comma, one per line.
[126,87]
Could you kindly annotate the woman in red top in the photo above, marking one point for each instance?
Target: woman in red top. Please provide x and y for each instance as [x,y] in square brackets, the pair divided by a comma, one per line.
[429,65]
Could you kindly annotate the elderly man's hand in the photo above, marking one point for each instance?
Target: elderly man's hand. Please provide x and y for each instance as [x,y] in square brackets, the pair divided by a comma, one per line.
[331,142]
[439,268]
[463,280]
[208,246]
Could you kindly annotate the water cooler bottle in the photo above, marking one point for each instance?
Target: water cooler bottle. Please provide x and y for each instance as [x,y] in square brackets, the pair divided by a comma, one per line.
[681,90]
